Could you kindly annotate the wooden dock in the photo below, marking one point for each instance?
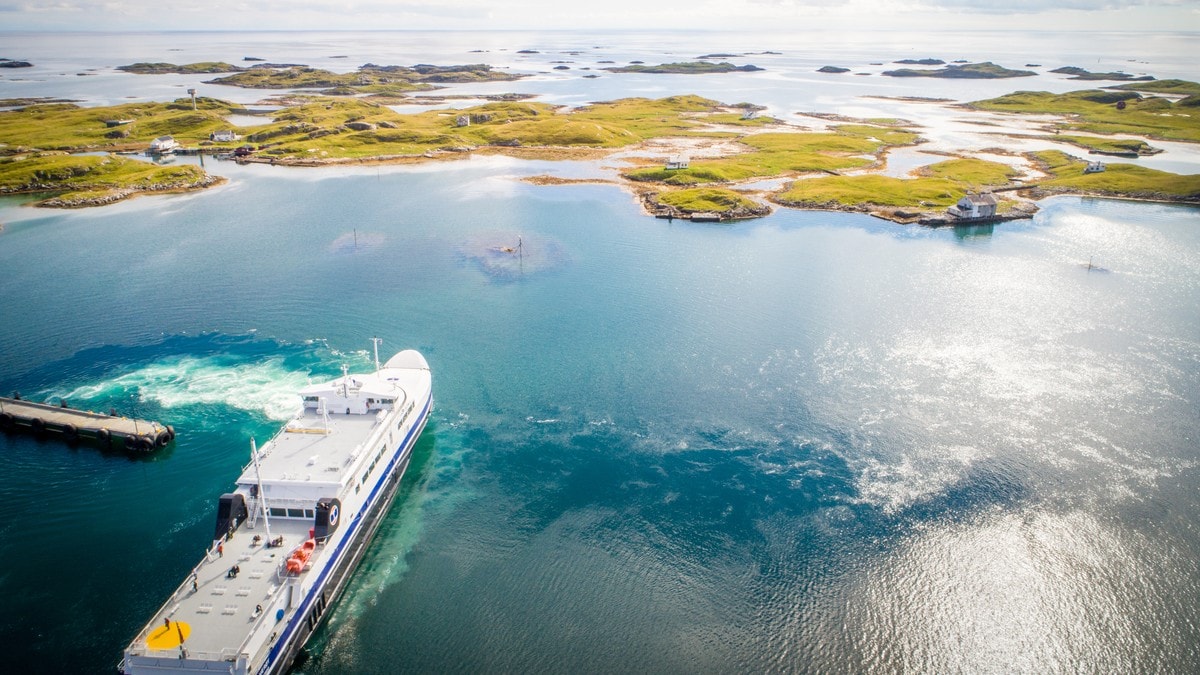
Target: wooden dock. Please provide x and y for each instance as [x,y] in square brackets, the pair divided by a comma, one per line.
[73,426]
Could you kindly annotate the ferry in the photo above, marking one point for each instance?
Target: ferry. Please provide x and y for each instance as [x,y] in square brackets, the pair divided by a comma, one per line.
[287,538]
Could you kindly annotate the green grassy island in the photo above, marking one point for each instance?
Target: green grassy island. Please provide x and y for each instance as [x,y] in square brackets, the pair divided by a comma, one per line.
[143,68]
[1078,73]
[1100,111]
[1180,87]
[90,180]
[368,79]
[718,203]
[735,148]
[1069,175]
[685,68]
[976,71]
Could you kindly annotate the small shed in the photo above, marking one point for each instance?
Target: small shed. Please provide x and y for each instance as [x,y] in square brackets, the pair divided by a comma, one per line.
[223,136]
[1094,167]
[675,163]
[973,206]
[163,145]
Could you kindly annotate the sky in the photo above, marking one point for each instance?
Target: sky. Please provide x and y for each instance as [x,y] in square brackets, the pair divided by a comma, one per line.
[771,15]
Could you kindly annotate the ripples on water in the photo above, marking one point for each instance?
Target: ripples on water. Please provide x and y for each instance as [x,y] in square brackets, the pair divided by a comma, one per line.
[809,443]
[813,442]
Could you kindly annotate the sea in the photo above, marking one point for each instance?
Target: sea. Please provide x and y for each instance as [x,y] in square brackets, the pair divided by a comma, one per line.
[814,442]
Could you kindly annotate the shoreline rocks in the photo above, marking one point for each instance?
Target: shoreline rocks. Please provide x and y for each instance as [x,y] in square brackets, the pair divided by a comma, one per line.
[112,196]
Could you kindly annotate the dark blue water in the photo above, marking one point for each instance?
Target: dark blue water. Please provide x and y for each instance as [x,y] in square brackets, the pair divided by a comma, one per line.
[813,442]
[809,442]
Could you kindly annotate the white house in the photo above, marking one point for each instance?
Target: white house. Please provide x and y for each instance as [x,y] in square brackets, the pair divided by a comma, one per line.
[677,163]
[223,136]
[1094,167]
[163,145]
[974,206]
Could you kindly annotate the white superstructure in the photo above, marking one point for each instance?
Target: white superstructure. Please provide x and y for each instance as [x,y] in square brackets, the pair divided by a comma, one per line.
[292,530]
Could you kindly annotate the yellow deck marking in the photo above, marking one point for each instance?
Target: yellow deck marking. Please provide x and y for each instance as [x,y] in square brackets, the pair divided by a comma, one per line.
[169,637]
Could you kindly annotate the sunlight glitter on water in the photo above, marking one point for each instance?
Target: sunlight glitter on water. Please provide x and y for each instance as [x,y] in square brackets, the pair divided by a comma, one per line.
[1033,591]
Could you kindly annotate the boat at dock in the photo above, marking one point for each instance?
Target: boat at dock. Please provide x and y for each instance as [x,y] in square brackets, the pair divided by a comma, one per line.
[290,533]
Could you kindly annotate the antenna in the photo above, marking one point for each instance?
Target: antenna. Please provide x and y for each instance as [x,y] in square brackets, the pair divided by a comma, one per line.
[262,496]
[376,341]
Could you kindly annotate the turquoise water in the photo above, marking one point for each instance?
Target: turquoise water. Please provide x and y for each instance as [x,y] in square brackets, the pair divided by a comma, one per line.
[812,442]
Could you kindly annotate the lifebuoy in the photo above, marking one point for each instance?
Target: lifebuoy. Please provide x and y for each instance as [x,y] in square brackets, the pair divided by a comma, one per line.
[6,421]
[70,432]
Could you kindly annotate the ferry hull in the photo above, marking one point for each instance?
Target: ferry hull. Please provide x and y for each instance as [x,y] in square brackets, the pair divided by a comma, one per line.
[266,583]
[321,601]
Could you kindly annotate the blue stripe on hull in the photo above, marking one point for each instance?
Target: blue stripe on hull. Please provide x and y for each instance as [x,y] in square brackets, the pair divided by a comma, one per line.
[284,643]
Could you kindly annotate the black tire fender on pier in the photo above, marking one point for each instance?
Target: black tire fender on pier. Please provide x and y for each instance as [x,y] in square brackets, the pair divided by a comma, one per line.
[38,425]
[171,430]
[6,421]
[131,442]
[145,443]
[105,437]
[70,432]
[162,439]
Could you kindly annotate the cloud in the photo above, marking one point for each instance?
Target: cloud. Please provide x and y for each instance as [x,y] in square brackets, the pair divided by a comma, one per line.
[1038,6]
[577,14]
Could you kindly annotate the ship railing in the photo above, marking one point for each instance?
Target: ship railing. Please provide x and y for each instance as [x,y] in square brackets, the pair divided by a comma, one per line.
[257,624]
[182,591]
[229,654]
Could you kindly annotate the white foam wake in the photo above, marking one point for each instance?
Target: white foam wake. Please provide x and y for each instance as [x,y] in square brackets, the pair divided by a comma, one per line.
[264,386]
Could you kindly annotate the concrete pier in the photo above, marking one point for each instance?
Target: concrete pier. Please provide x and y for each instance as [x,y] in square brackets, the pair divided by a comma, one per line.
[73,426]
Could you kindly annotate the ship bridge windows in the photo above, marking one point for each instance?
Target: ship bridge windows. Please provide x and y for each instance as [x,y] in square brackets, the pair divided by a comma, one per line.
[280,512]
